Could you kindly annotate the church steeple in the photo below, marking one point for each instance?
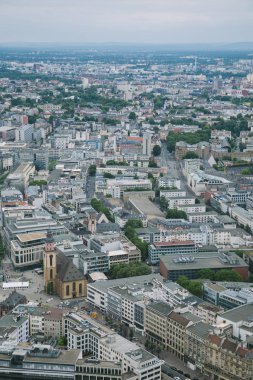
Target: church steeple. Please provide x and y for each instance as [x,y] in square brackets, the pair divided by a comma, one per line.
[49,242]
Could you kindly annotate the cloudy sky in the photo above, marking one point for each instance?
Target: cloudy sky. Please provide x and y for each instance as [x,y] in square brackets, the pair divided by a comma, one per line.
[149,21]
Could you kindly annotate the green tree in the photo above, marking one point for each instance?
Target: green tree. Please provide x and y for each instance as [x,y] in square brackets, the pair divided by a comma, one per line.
[99,207]
[62,341]
[132,116]
[134,223]
[227,275]
[163,203]
[108,175]
[175,214]
[38,182]
[157,150]
[206,274]
[190,155]
[92,170]
[129,270]
[152,164]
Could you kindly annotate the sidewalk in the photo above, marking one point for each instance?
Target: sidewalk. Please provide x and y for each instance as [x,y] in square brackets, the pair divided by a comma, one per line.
[173,361]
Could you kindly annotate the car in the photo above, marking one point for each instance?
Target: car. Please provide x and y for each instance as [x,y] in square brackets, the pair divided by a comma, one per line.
[176,378]
[174,368]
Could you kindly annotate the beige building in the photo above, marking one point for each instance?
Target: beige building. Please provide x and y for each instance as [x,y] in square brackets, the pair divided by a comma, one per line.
[156,316]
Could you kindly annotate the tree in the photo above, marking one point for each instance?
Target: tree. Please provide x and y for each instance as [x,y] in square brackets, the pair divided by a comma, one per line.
[92,170]
[108,175]
[152,164]
[129,270]
[175,214]
[163,203]
[228,275]
[134,223]
[183,281]
[131,234]
[132,116]
[51,165]
[193,286]
[99,207]
[62,341]
[157,150]
[206,274]
[190,155]
[38,182]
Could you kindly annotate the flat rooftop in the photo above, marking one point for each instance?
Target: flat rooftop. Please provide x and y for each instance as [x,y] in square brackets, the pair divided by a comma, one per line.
[211,260]
[240,313]
[146,207]
[25,238]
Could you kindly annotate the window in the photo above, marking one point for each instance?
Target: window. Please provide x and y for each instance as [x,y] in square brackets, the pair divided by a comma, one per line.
[80,288]
[67,290]
[51,260]
[51,274]
[74,286]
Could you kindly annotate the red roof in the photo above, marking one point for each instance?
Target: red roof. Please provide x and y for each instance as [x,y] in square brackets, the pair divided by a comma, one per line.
[173,243]
[135,138]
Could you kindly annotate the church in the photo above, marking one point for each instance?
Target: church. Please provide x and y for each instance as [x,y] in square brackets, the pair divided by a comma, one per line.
[60,274]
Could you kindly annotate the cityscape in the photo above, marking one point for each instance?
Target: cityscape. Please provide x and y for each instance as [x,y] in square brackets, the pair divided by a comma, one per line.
[126,193]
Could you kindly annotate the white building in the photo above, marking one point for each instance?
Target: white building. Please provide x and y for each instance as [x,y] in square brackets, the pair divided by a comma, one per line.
[24,133]
[169,182]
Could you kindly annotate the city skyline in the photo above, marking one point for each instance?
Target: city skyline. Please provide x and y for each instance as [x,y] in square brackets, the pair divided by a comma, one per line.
[127,21]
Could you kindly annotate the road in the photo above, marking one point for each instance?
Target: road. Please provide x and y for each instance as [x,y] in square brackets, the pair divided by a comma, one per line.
[90,187]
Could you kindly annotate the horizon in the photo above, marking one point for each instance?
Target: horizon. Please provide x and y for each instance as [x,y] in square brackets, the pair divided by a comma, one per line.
[125,22]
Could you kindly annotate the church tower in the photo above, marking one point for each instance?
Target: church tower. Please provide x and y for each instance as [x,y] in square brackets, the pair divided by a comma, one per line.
[49,263]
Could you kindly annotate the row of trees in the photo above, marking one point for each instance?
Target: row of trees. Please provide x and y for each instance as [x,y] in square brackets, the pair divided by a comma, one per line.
[131,234]
[195,286]
[99,207]
[129,270]
[221,275]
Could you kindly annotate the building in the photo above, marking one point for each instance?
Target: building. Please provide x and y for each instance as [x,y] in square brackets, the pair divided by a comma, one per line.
[169,182]
[38,362]
[147,147]
[174,266]
[116,247]
[190,166]
[14,328]
[21,176]
[86,334]
[159,249]
[11,302]
[60,273]
[24,133]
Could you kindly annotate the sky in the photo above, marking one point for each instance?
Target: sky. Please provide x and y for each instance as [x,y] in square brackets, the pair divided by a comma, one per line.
[126,21]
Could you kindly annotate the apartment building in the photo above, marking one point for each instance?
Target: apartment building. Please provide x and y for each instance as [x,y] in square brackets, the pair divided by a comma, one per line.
[157,250]
[168,194]
[192,208]
[169,182]
[156,317]
[177,324]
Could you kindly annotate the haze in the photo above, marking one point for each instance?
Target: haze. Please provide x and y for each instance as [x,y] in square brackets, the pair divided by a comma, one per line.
[128,21]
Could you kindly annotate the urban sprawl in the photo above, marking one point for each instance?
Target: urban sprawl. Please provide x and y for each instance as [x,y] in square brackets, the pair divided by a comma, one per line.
[126,242]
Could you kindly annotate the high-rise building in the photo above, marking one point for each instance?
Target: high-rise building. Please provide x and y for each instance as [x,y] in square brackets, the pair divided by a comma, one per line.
[147,144]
